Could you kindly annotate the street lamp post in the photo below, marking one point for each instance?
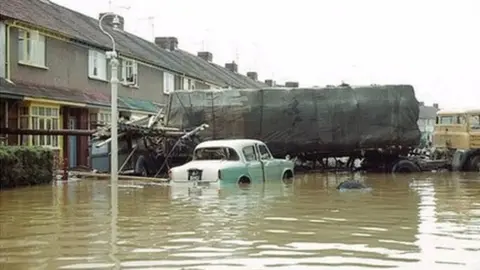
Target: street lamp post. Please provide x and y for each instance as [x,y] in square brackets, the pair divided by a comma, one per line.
[112,55]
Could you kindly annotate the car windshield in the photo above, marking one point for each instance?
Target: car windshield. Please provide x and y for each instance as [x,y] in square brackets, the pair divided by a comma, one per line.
[215,153]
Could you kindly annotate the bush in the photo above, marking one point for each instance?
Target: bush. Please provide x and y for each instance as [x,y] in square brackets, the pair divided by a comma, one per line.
[25,166]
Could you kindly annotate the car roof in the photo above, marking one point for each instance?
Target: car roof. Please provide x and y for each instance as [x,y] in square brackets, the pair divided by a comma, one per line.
[237,144]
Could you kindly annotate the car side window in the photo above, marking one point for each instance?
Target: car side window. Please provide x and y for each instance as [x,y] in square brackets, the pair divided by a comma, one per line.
[264,153]
[249,153]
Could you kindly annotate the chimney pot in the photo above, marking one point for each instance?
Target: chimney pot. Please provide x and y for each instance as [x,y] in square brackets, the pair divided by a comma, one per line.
[435,105]
[252,75]
[167,43]
[233,67]
[114,20]
[270,82]
[207,56]
[291,84]
[421,103]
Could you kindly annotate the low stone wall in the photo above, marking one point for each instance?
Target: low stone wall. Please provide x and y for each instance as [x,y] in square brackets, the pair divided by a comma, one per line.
[25,166]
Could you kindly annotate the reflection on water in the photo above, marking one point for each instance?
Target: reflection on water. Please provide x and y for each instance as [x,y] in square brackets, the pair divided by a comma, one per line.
[427,220]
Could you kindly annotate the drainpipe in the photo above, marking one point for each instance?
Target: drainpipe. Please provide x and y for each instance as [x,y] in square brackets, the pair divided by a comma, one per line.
[7,57]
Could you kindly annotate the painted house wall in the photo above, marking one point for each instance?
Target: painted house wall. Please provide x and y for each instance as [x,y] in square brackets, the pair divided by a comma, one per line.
[66,66]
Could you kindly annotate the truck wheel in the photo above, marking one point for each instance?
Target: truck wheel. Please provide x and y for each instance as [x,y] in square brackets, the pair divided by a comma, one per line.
[474,164]
[405,166]
[141,166]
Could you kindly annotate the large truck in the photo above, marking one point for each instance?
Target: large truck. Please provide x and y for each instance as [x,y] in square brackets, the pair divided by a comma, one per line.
[372,128]
[456,139]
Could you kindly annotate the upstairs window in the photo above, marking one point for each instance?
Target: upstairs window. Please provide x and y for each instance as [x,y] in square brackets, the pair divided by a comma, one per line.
[129,72]
[31,48]
[168,83]
[97,65]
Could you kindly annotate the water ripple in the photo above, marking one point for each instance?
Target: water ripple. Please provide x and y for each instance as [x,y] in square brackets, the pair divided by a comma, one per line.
[308,225]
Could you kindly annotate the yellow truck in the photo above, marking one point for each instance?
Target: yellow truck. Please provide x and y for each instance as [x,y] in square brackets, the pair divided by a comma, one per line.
[456,139]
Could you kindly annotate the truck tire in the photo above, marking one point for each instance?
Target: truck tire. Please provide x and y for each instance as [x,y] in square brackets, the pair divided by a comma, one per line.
[474,164]
[405,166]
[141,166]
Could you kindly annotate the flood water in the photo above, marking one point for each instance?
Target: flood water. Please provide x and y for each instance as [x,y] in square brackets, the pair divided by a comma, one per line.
[422,221]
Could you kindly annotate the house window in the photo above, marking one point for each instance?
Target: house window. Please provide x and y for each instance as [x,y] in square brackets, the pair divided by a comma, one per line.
[24,124]
[31,48]
[104,118]
[100,118]
[97,65]
[129,72]
[168,82]
[45,118]
[185,83]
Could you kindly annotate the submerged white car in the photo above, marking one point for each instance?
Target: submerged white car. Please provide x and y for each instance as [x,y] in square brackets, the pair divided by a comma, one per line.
[240,161]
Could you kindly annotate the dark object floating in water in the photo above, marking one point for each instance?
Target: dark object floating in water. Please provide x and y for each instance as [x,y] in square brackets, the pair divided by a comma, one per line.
[350,184]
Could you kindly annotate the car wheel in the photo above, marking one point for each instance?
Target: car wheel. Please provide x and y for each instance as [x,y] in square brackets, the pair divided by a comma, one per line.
[244,182]
[474,164]
[287,177]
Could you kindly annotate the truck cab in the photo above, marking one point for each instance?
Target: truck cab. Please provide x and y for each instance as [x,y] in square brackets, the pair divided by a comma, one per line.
[456,138]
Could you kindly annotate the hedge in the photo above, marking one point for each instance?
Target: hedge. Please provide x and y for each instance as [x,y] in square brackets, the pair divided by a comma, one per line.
[25,166]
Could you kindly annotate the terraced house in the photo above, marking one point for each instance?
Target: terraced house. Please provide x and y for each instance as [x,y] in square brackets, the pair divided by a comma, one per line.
[54,73]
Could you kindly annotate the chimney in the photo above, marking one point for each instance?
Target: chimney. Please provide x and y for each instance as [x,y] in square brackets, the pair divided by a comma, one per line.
[270,83]
[435,105]
[291,84]
[167,43]
[253,75]
[233,67]
[112,21]
[207,56]
[421,103]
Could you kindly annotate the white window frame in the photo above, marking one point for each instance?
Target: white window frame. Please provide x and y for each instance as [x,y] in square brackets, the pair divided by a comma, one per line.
[97,65]
[184,83]
[129,72]
[31,48]
[104,117]
[168,83]
[45,118]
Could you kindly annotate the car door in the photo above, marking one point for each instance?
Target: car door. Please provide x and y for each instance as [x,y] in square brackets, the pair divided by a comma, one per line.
[252,163]
[270,165]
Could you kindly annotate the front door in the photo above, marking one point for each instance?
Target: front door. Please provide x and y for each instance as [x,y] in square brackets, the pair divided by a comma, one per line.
[271,166]
[254,166]
[72,144]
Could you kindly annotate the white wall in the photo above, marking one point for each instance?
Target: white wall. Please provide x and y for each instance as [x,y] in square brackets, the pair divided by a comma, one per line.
[3,48]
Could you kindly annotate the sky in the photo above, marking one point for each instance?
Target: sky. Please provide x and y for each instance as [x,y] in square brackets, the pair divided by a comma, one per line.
[433,45]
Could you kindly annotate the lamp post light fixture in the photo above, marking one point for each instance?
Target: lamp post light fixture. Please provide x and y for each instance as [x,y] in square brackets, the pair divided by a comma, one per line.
[112,55]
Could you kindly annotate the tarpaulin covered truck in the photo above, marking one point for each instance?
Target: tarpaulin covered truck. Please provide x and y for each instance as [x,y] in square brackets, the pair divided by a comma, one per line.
[376,123]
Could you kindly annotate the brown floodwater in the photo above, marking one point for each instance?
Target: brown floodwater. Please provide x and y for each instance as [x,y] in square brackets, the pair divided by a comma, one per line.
[425,221]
